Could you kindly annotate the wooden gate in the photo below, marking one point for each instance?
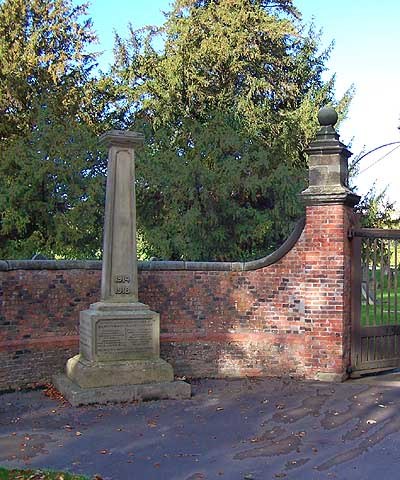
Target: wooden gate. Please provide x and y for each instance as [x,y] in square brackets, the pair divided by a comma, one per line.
[375,300]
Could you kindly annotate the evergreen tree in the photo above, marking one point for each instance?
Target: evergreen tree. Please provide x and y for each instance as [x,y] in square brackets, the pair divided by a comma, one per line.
[226,92]
[51,170]
[377,211]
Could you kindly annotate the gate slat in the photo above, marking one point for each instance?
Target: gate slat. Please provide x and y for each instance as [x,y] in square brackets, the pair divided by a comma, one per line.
[389,283]
[395,281]
[367,293]
[382,281]
[374,277]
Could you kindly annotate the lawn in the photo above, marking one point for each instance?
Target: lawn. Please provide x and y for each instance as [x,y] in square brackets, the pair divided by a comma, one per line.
[383,307]
[6,474]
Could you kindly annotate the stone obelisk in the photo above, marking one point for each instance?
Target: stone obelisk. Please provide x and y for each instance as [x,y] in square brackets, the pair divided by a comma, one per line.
[119,349]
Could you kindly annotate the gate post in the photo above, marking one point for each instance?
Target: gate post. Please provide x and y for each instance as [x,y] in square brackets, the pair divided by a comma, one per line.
[327,280]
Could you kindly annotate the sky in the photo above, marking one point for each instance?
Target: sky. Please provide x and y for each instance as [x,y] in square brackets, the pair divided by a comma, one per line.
[366,34]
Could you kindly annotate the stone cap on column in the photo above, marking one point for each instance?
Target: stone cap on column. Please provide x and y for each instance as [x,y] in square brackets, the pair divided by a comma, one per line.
[328,165]
[122,138]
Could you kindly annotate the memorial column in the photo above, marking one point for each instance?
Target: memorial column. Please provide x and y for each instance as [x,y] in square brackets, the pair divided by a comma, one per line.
[119,337]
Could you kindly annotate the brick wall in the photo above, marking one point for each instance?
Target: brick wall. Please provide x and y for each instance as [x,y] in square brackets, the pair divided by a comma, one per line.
[261,318]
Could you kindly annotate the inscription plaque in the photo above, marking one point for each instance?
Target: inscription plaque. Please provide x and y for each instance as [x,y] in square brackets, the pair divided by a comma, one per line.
[125,338]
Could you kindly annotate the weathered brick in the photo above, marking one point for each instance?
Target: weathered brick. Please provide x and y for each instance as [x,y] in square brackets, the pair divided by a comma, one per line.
[213,323]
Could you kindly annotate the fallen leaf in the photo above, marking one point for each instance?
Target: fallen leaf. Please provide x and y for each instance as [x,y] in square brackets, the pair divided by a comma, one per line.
[151,423]
[51,392]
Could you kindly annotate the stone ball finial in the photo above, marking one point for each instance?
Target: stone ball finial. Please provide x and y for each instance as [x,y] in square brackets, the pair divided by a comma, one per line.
[327,116]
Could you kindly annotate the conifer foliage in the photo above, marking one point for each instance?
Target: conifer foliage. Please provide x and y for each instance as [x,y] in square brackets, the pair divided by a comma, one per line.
[50,169]
[226,92]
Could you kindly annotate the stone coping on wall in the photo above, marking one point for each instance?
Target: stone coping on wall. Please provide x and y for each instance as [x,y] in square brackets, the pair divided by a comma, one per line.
[6,265]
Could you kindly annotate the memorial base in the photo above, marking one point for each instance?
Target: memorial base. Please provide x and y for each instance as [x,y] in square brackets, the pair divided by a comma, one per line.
[120,393]
[107,374]
[119,358]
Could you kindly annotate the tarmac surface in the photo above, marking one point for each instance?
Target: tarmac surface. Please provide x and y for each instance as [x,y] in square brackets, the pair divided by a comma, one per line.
[249,429]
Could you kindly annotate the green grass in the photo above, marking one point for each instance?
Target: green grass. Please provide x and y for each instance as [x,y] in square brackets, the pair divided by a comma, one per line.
[383,311]
[6,474]
[375,315]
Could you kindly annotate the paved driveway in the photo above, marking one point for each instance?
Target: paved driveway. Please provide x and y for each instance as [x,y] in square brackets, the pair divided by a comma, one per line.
[229,429]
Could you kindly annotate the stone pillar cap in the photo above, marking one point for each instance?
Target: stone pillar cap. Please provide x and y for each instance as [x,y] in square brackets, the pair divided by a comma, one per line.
[327,139]
[328,165]
[123,138]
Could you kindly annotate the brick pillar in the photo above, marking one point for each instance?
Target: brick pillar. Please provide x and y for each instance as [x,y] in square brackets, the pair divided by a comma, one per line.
[329,213]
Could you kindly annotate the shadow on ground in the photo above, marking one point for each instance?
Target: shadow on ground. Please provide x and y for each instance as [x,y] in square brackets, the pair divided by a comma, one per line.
[232,429]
